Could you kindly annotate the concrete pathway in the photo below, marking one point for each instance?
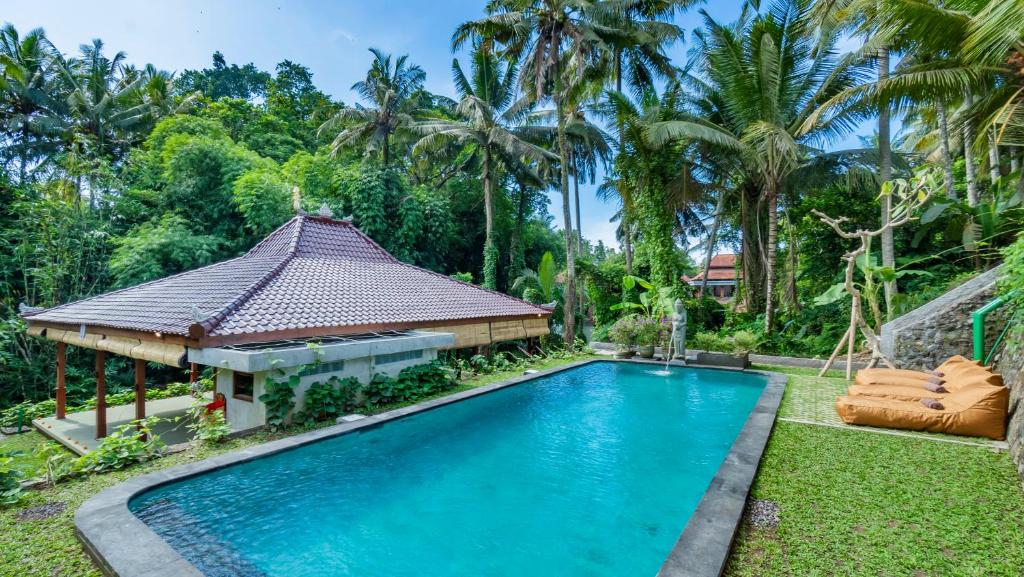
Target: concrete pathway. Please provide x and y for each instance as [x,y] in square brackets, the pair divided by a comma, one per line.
[78,431]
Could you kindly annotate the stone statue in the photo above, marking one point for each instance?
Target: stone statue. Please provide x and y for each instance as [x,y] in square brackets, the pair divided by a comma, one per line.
[679,330]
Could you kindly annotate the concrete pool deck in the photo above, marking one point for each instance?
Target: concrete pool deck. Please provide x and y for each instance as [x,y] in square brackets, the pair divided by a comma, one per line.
[123,546]
[77,431]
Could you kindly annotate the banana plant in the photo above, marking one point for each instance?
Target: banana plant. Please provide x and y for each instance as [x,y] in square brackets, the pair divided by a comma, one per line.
[985,224]
[655,302]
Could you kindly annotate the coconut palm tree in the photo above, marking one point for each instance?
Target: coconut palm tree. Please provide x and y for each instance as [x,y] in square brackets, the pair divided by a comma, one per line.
[548,38]
[762,77]
[487,118]
[26,91]
[394,91]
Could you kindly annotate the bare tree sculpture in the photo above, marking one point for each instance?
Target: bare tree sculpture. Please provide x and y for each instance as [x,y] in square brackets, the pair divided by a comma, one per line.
[908,197]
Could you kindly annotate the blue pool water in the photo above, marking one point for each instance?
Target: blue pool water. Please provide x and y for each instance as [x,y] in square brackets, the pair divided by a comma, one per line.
[593,471]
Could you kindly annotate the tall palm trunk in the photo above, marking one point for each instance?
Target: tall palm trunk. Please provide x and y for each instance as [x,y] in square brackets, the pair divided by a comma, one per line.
[627,242]
[515,257]
[773,239]
[627,234]
[993,157]
[947,160]
[576,194]
[569,307]
[23,169]
[712,237]
[969,170]
[490,251]
[884,174]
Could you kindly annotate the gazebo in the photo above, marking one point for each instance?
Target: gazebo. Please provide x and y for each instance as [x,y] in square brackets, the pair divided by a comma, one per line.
[317,291]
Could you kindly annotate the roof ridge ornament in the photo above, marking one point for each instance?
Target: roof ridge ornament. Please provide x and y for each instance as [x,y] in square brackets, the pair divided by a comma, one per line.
[198,315]
[325,211]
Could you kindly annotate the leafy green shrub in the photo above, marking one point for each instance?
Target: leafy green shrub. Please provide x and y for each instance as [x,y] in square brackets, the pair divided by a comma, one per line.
[624,332]
[462,276]
[744,342]
[279,400]
[207,426]
[706,341]
[648,332]
[480,364]
[10,479]
[326,401]
[131,443]
[412,384]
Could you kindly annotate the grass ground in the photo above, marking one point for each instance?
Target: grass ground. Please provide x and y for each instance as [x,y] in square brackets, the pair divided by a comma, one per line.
[852,503]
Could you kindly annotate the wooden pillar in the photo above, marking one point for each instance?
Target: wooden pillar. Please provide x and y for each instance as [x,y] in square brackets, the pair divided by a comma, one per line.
[140,389]
[61,386]
[101,394]
[193,376]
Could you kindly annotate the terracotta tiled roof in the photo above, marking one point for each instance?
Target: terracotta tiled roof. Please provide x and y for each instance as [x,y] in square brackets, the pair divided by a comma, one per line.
[723,267]
[312,273]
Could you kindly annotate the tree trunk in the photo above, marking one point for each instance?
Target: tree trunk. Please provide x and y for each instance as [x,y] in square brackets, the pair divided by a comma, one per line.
[576,194]
[993,158]
[773,234]
[1014,160]
[516,258]
[627,242]
[490,264]
[569,307]
[884,175]
[23,169]
[712,236]
[947,160]
[968,133]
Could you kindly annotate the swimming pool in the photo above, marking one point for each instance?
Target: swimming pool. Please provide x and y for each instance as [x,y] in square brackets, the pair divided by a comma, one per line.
[593,471]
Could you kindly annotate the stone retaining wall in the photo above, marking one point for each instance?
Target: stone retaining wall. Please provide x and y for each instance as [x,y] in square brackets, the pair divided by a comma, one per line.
[923,338]
[1010,364]
[930,334]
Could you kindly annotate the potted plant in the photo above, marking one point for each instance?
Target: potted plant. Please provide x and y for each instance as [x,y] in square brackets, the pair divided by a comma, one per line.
[648,332]
[623,333]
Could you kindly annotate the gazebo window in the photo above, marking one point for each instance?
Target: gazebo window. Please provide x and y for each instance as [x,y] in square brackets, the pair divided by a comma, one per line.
[242,386]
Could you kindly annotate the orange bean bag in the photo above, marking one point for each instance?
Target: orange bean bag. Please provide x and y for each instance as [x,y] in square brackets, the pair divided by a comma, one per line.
[977,411]
[916,390]
[954,365]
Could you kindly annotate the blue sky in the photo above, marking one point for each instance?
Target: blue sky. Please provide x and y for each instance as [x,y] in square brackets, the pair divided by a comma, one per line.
[331,38]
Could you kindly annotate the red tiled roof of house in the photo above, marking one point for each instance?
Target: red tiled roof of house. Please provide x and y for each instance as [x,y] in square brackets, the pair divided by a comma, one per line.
[312,273]
[723,267]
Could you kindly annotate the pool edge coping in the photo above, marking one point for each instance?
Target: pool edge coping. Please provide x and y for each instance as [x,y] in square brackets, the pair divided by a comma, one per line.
[113,536]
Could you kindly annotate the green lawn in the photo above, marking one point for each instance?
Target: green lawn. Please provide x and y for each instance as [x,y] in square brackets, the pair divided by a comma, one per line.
[852,503]
[861,503]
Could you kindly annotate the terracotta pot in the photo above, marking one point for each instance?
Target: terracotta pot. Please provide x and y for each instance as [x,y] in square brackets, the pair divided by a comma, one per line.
[645,351]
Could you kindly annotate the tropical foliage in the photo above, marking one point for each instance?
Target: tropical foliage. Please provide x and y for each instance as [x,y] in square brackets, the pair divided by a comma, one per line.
[114,173]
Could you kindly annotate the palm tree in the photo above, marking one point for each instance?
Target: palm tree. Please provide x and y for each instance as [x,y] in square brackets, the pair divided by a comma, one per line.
[26,91]
[655,177]
[547,38]
[486,118]
[107,108]
[634,55]
[761,78]
[395,92]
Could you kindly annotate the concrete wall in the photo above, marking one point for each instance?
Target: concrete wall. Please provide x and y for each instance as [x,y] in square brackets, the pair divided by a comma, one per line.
[930,334]
[244,415]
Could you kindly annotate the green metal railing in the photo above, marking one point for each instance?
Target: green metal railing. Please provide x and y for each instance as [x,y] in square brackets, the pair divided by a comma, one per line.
[978,318]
